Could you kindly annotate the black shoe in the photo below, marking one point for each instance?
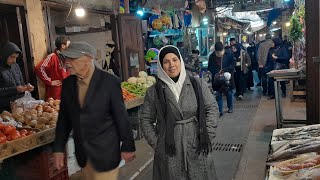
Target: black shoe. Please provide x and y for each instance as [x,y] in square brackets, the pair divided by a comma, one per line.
[271,97]
[239,98]
[221,114]
[264,93]
[230,111]
[284,95]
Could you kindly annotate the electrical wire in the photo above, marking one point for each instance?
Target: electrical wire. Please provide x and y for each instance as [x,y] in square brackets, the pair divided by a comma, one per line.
[145,2]
[66,19]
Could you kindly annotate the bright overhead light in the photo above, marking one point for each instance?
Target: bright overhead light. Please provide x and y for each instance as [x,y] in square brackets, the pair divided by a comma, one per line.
[274,22]
[224,34]
[205,19]
[80,11]
[288,24]
[140,12]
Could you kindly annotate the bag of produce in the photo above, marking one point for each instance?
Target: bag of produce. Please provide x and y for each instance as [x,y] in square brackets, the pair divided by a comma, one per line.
[25,103]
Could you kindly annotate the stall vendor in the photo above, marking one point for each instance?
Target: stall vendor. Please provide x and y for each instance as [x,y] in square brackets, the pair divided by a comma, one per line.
[12,85]
[51,69]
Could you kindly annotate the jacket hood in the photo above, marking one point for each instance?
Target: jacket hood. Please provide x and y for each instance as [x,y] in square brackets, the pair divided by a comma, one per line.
[175,87]
[277,41]
[6,51]
[238,47]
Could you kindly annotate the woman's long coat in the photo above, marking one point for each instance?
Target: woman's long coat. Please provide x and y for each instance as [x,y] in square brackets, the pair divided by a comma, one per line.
[186,164]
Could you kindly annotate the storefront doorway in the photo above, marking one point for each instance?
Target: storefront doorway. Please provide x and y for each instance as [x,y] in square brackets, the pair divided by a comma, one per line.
[13,28]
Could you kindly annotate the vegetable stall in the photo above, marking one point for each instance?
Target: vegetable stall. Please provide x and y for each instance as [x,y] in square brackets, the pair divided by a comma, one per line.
[26,133]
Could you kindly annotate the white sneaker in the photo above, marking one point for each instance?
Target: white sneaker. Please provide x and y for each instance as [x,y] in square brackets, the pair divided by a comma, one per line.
[240,97]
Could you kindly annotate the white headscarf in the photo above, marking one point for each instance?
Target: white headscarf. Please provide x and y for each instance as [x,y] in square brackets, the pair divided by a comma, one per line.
[175,87]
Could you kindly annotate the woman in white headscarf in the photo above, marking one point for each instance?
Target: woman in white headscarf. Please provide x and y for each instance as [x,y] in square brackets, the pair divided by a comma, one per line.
[179,119]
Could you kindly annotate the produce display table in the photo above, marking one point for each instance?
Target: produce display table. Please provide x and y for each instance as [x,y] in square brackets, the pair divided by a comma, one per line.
[134,102]
[28,143]
[279,76]
[42,138]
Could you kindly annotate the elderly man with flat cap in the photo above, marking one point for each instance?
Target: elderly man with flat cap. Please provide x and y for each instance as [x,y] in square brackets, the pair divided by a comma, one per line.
[92,106]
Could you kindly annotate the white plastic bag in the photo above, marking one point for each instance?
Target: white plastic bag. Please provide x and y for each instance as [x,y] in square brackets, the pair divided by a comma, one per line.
[27,102]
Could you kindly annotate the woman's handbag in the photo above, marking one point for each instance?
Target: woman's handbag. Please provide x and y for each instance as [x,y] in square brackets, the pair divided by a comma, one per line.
[278,66]
[218,79]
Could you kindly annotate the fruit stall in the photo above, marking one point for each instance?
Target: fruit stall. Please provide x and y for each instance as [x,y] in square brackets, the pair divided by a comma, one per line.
[295,153]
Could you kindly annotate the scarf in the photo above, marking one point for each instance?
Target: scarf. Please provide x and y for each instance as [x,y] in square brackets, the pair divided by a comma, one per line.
[170,121]
[174,86]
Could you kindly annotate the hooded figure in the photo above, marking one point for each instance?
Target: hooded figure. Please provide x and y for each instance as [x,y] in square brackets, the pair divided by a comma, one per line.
[185,118]
[278,58]
[12,85]
[243,62]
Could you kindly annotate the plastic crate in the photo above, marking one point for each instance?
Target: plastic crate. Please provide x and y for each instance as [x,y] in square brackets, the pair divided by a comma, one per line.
[38,164]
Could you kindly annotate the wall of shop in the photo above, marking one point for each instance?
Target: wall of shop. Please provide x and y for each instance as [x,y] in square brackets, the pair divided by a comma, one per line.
[37,35]
[92,20]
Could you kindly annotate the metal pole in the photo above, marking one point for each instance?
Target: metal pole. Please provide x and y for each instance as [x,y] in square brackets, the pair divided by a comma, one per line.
[278,104]
[23,48]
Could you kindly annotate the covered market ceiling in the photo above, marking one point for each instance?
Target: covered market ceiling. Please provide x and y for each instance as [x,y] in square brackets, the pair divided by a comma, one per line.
[103,5]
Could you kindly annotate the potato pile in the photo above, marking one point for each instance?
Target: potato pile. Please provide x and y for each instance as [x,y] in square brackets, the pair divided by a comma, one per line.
[43,116]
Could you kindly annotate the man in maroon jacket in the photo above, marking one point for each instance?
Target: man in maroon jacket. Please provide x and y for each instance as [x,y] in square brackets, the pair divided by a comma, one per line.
[51,70]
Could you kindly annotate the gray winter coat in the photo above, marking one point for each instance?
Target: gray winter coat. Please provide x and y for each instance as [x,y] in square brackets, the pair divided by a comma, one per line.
[263,51]
[187,164]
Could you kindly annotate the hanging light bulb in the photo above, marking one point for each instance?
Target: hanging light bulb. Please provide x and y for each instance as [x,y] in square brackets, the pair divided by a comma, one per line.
[288,24]
[80,12]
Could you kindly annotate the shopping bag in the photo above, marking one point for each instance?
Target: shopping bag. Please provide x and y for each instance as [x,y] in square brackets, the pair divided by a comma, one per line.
[255,77]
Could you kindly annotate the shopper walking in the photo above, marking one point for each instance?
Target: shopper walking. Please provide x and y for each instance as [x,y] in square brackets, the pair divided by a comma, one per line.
[254,65]
[278,58]
[51,69]
[221,61]
[185,118]
[92,106]
[12,85]
[243,63]
[263,51]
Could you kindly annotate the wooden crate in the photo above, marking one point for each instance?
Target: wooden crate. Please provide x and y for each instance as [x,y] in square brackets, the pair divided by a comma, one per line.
[13,148]
[38,164]
[298,90]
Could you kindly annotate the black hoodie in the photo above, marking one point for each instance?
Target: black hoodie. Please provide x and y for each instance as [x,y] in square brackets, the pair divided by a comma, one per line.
[10,77]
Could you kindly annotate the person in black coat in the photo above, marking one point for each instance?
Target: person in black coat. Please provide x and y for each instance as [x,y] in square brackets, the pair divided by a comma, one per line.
[12,85]
[254,64]
[222,60]
[92,106]
[278,58]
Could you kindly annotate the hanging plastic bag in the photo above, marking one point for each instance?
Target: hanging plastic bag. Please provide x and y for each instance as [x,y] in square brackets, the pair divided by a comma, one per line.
[25,103]
[255,77]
